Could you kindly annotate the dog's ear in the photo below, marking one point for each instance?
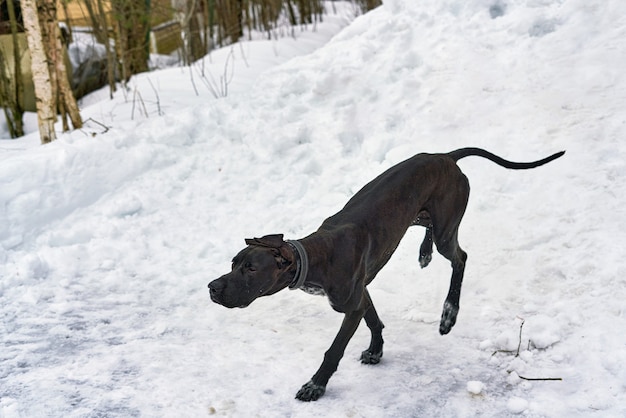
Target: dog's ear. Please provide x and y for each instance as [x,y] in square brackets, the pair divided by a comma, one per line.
[287,254]
[283,256]
[272,241]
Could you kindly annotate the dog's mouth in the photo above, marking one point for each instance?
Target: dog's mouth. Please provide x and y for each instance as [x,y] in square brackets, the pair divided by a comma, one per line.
[226,302]
[230,305]
[214,297]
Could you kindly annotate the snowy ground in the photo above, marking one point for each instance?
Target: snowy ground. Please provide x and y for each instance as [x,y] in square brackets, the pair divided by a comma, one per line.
[109,236]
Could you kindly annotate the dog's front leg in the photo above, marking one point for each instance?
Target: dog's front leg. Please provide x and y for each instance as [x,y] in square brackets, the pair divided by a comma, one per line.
[375,351]
[315,388]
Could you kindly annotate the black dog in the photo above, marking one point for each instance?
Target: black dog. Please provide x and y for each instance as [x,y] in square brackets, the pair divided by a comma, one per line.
[344,255]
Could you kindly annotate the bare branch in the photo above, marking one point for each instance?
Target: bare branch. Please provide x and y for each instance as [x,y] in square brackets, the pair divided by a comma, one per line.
[519,344]
[156,93]
[106,128]
[520,337]
[534,379]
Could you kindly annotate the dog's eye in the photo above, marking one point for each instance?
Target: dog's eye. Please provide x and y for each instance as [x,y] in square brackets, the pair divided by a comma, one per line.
[250,267]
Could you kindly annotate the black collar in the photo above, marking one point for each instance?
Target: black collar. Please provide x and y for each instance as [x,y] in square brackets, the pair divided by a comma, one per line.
[302,265]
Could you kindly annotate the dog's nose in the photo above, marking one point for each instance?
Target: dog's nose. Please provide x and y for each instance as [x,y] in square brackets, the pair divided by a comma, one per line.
[215,287]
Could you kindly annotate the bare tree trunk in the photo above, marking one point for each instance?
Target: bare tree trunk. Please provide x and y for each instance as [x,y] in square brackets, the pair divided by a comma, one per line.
[68,23]
[211,21]
[46,106]
[132,35]
[67,101]
[367,5]
[7,99]
[46,24]
[230,18]
[51,38]
[193,47]
[98,24]
[207,31]
[16,97]
[292,13]
[196,47]
[109,52]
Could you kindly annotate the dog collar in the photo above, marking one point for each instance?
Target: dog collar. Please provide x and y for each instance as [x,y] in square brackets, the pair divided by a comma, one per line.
[302,265]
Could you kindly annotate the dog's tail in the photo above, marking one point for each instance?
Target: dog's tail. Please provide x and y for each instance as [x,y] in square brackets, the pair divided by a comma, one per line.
[479,152]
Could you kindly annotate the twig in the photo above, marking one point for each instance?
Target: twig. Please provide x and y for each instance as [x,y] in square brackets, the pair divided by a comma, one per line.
[156,93]
[501,351]
[210,84]
[193,82]
[519,344]
[520,338]
[218,89]
[136,94]
[243,54]
[539,378]
[227,79]
[106,128]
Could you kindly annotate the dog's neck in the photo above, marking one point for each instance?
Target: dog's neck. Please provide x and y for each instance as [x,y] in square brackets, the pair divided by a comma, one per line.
[302,264]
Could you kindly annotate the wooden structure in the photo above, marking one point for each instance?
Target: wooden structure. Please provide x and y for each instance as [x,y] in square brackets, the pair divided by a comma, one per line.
[165,35]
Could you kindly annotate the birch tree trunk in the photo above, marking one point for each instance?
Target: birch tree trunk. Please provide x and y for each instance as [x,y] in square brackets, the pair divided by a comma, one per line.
[51,39]
[44,99]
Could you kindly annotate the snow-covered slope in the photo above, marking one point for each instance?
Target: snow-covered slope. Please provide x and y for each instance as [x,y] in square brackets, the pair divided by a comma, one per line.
[108,240]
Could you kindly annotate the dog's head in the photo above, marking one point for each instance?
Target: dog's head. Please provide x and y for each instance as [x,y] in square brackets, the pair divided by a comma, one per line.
[264,267]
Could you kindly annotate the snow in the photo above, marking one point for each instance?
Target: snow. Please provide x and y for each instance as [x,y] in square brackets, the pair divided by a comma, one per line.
[517,405]
[109,235]
[475,387]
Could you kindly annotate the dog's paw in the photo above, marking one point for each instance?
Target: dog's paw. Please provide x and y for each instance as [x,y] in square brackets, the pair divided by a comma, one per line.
[310,392]
[425,259]
[367,357]
[448,318]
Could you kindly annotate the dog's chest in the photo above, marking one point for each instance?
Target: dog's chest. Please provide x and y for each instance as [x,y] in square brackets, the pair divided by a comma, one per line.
[313,290]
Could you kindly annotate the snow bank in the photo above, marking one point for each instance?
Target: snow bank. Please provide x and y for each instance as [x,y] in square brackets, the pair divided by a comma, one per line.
[107,242]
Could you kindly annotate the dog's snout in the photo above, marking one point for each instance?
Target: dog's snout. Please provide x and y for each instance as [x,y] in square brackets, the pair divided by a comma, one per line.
[215,290]
[215,287]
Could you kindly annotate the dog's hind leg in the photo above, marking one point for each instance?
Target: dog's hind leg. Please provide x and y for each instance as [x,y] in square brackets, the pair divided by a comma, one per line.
[457,258]
[426,249]
[446,219]
[375,351]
